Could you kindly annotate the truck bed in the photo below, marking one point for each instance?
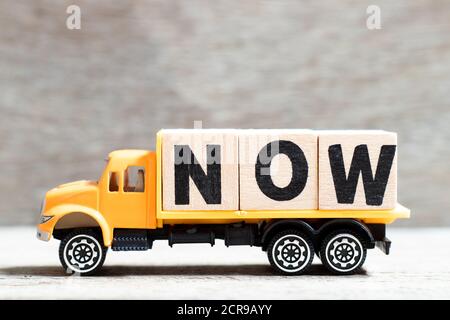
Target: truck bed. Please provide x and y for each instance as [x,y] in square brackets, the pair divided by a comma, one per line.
[366,216]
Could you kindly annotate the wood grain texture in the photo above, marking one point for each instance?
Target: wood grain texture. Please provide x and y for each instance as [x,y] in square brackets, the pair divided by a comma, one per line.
[348,140]
[198,140]
[69,97]
[251,142]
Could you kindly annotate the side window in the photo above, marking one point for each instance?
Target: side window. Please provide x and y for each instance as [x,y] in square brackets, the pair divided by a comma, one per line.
[113,182]
[134,179]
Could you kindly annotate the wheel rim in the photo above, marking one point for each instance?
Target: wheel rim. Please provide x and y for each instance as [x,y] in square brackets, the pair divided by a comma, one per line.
[291,253]
[344,252]
[82,253]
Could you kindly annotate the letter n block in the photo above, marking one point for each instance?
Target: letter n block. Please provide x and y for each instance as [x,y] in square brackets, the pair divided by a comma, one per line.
[278,169]
[200,169]
[357,170]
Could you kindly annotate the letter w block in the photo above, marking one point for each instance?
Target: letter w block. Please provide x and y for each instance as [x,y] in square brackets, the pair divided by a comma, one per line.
[357,170]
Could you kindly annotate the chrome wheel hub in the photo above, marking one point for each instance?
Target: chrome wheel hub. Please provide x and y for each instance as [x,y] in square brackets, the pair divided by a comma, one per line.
[291,253]
[82,253]
[344,252]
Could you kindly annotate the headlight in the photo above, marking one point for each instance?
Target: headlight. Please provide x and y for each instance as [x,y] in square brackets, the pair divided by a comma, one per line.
[44,219]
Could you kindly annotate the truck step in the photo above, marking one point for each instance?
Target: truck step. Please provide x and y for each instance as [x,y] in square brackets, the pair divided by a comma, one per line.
[130,240]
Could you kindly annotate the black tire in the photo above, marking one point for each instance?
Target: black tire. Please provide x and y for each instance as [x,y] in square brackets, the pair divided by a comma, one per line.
[290,252]
[82,252]
[343,252]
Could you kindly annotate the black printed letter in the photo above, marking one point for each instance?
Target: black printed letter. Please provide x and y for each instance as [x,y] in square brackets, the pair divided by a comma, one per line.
[374,188]
[299,171]
[187,165]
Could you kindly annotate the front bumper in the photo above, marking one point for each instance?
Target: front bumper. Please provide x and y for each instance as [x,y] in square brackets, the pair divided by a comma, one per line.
[42,235]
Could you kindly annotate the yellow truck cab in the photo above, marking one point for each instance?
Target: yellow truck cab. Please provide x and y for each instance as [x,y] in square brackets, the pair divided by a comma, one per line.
[134,203]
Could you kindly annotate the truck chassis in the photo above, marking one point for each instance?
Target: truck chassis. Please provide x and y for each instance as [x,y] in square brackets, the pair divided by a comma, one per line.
[341,244]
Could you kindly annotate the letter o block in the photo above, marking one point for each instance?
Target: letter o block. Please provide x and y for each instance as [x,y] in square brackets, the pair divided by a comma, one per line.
[357,170]
[200,169]
[278,169]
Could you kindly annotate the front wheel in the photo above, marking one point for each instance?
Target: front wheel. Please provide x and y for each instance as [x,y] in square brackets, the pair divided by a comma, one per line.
[82,252]
[290,252]
[343,252]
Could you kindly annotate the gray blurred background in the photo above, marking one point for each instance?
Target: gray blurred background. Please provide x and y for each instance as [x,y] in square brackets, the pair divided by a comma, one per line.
[68,97]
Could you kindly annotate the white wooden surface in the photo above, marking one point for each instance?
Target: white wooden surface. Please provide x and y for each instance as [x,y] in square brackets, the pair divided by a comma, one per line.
[418,268]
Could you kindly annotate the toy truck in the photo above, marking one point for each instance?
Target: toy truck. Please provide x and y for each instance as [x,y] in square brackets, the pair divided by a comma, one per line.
[293,193]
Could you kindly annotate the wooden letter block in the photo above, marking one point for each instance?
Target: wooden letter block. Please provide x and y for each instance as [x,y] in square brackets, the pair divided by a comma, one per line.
[357,170]
[200,169]
[278,169]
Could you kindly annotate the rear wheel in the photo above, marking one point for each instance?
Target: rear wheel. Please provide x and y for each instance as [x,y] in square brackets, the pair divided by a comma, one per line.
[290,252]
[343,252]
[82,252]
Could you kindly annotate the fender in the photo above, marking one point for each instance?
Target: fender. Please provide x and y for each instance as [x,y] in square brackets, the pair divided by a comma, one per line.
[60,211]
[348,223]
[298,224]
